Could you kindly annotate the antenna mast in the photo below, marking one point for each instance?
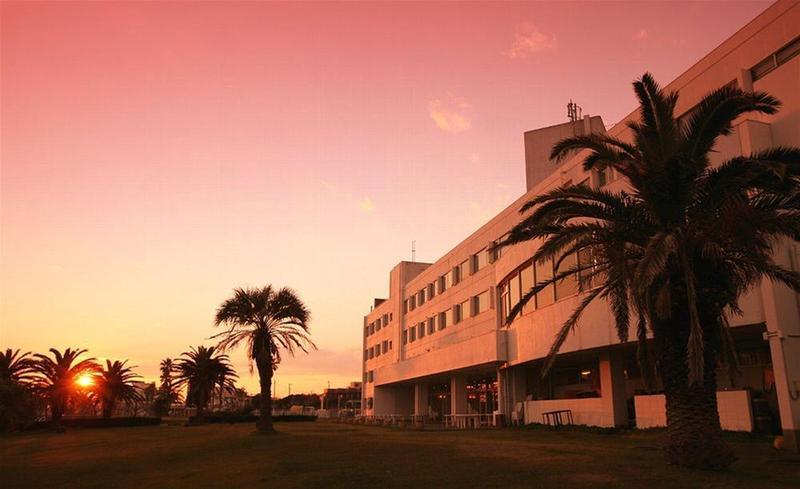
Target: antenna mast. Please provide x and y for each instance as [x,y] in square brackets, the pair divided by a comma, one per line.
[573,111]
[414,250]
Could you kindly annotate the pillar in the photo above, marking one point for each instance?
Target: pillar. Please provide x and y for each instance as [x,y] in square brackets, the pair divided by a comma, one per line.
[421,399]
[783,334]
[458,395]
[613,389]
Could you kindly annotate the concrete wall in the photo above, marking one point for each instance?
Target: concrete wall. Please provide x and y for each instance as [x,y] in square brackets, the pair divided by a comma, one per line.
[735,411]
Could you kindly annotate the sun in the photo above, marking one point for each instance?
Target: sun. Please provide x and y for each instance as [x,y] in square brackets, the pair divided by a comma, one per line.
[85,380]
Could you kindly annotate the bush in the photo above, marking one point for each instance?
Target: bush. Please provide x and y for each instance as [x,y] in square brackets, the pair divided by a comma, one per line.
[102,422]
[18,407]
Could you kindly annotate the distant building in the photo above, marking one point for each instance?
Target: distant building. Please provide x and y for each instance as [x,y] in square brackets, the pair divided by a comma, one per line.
[341,400]
[438,346]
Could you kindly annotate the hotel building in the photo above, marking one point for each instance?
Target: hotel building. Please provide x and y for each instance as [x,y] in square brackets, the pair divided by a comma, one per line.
[437,347]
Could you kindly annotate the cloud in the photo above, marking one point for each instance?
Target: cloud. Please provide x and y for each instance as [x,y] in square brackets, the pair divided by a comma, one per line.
[529,41]
[366,205]
[640,35]
[451,113]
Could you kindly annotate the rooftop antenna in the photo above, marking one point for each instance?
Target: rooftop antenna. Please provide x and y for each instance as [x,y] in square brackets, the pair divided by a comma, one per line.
[573,111]
[414,250]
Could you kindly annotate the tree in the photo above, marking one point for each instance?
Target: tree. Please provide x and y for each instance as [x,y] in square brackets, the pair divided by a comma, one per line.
[676,249]
[167,392]
[16,368]
[266,321]
[56,378]
[200,370]
[114,385]
[17,403]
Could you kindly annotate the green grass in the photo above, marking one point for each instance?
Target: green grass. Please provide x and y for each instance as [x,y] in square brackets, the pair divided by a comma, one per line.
[325,454]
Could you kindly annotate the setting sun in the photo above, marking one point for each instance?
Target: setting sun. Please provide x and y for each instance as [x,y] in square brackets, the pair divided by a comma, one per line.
[85,380]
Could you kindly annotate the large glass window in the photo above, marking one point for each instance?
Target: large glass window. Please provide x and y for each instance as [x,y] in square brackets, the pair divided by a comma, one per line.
[544,271]
[569,285]
[526,283]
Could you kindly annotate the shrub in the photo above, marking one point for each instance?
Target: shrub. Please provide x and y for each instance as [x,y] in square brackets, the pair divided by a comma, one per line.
[102,422]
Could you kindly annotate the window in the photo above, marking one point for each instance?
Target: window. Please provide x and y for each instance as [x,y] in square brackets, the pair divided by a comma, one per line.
[586,278]
[366,355]
[371,352]
[569,285]
[480,303]
[421,297]
[431,325]
[544,271]
[442,321]
[480,260]
[454,278]
[448,316]
[526,282]
[405,336]
[405,305]
[369,403]
[431,291]
[602,177]
[378,325]
[385,319]
[390,316]
[460,271]
[412,303]
[370,376]
[776,59]
[366,331]
[421,330]
[385,346]
[371,328]
[445,282]
[390,344]
[412,334]
[377,350]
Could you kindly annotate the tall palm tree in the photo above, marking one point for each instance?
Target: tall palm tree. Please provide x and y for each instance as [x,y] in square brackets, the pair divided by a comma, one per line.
[166,386]
[16,368]
[676,249]
[114,385]
[200,370]
[56,377]
[267,321]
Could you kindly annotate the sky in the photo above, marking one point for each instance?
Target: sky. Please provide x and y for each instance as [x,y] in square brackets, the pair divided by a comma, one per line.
[153,156]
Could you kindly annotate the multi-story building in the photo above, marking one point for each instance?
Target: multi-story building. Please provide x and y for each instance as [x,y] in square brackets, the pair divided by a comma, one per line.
[438,345]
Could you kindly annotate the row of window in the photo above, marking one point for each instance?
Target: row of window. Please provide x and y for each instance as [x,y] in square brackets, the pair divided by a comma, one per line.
[377,350]
[454,315]
[775,59]
[458,273]
[376,325]
[522,280]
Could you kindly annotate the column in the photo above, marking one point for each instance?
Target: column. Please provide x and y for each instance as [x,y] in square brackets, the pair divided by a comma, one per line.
[613,390]
[783,334]
[458,395]
[421,399]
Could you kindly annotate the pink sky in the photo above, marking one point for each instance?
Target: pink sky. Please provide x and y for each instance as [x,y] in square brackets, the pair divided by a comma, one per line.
[157,155]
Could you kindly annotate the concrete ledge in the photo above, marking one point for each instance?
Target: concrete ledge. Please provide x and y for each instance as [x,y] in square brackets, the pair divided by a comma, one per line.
[735,410]
[488,348]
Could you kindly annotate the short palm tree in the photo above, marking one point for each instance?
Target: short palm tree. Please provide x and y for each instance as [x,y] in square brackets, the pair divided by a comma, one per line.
[267,321]
[56,377]
[16,368]
[200,370]
[114,385]
[677,249]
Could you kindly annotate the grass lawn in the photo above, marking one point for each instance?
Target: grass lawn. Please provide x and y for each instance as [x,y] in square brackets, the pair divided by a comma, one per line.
[325,455]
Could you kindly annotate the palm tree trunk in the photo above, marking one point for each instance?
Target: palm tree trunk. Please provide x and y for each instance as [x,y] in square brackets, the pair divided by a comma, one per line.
[264,365]
[694,435]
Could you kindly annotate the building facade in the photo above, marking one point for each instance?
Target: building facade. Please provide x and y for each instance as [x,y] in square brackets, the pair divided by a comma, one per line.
[438,346]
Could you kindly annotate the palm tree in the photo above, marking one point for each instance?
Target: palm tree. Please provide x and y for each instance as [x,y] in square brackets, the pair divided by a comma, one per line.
[677,249]
[201,369]
[16,368]
[267,321]
[114,384]
[56,378]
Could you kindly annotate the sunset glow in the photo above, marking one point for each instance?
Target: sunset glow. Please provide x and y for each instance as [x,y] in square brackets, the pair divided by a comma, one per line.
[155,155]
[85,380]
